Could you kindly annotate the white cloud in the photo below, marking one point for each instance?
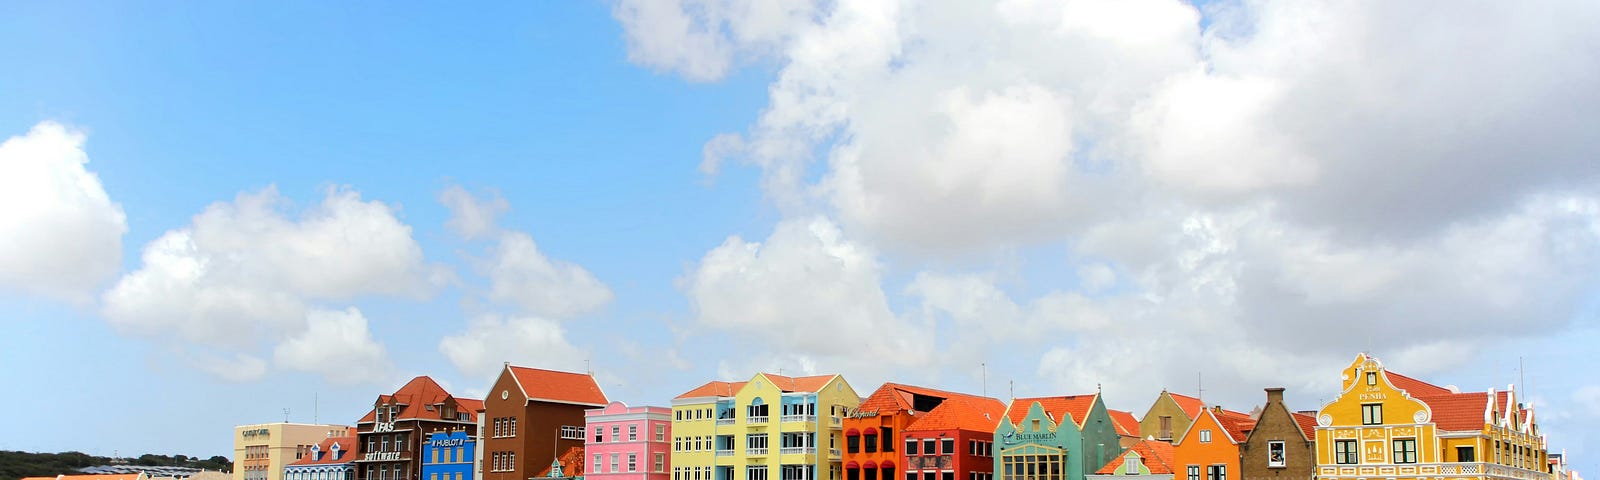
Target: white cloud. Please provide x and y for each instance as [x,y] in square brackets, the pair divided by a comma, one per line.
[244,273]
[237,368]
[338,345]
[490,340]
[702,39]
[60,234]
[471,217]
[522,275]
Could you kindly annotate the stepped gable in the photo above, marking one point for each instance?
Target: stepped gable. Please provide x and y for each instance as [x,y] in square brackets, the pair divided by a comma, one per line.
[1126,424]
[1071,408]
[556,386]
[1157,456]
[419,396]
[961,413]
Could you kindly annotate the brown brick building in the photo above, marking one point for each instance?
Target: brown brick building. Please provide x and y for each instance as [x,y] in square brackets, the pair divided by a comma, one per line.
[1282,444]
[391,435]
[531,416]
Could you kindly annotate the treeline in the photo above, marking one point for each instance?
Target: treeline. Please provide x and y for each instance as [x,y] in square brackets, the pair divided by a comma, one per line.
[15,465]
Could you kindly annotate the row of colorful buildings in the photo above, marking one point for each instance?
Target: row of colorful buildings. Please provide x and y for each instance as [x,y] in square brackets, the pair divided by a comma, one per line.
[547,424]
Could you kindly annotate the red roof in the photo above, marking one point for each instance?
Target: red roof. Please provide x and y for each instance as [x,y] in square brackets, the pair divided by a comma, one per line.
[1308,424]
[1458,411]
[420,397]
[1126,424]
[571,464]
[1071,408]
[1191,406]
[1417,388]
[715,388]
[894,398]
[349,449]
[799,384]
[975,414]
[566,387]
[1238,425]
[1155,454]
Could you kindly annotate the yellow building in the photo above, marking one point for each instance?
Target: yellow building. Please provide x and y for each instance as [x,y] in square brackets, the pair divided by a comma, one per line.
[261,451]
[1388,426]
[771,427]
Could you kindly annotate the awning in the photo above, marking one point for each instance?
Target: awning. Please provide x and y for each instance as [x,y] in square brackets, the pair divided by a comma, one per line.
[851,432]
[870,464]
[852,465]
[887,465]
[870,431]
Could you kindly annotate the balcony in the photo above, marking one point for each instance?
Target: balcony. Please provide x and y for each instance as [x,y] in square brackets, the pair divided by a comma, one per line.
[834,423]
[755,452]
[798,418]
[725,421]
[797,450]
[834,453]
[724,453]
[756,420]
[1466,469]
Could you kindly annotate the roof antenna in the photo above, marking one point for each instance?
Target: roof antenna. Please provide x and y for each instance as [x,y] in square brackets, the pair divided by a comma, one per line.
[586,368]
[285,415]
[1200,387]
[1013,389]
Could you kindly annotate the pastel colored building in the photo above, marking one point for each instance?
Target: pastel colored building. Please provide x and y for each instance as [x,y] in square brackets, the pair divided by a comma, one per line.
[261,451]
[629,443]
[954,441]
[1055,438]
[1127,427]
[449,456]
[531,417]
[1170,415]
[769,427]
[332,459]
[1148,459]
[1209,449]
[1388,425]
[394,432]
[874,430]
[1282,446]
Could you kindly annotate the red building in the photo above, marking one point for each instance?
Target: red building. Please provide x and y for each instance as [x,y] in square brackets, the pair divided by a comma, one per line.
[874,431]
[955,441]
[530,417]
[391,435]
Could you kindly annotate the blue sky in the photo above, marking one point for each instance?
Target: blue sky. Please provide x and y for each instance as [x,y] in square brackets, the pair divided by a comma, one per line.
[340,197]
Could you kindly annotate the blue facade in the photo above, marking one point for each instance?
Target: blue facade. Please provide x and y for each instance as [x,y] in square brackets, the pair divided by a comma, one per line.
[448,456]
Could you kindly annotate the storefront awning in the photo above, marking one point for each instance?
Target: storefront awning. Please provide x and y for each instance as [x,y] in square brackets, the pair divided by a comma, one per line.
[887,465]
[851,432]
[870,464]
[852,465]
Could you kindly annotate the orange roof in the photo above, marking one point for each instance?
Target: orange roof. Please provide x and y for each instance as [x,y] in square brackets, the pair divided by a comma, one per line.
[1417,388]
[1458,411]
[1237,424]
[1126,424]
[349,449]
[103,476]
[1157,456]
[895,397]
[1191,406]
[1308,424]
[419,396]
[566,387]
[571,464]
[715,388]
[799,384]
[961,413]
[469,404]
[1071,408]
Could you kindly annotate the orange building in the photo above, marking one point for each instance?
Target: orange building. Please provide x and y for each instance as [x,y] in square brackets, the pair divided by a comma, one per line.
[875,430]
[1209,449]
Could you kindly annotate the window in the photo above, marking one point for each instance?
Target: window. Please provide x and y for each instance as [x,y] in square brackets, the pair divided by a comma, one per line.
[911,446]
[1275,454]
[1205,436]
[870,442]
[511,431]
[1405,450]
[947,446]
[756,442]
[661,463]
[1372,414]
[661,433]
[1132,463]
[1030,467]
[1344,452]
[758,472]
[888,442]
[597,463]
[616,460]
[1372,378]
[616,433]
[574,432]
[852,444]
[678,415]
[633,462]
[1166,429]
[1217,472]
[511,460]
[1464,454]
[929,447]
[633,433]
[599,434]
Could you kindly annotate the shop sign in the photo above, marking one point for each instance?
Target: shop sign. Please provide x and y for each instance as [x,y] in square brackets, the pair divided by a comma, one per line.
[853,413]
[383,456]
[383,427]
[449,442]
[253,433]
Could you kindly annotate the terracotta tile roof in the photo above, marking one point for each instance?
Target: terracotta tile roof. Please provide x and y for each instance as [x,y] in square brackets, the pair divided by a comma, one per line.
[103,476]
[799,384]
[1308,424]
[1191,406]
[962,413]
[1237,424]
[1458,411]
[1417,388]
[896,397]
[571,464]
[1126,424]
[469,405]
[419,396]
[557,386]
[348,451]
[1156,454]
[714,388]
[1071,408]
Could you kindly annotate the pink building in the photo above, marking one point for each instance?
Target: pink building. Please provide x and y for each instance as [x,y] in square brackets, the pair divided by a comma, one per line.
[628,443]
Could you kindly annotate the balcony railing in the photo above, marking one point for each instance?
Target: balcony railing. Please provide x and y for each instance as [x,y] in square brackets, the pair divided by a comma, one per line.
[797,450]
[834,453]
[1450,469]
[724,421]
[755,420]
[798,418]
[755,452]
[724,453]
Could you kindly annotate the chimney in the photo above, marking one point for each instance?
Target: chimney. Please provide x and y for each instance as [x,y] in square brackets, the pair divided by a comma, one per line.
[1275,395]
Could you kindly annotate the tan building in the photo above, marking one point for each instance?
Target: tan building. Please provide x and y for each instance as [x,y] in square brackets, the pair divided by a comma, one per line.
[261,451]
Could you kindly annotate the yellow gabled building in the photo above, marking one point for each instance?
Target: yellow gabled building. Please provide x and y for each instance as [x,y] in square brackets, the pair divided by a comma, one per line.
[770,427]
[1388,426]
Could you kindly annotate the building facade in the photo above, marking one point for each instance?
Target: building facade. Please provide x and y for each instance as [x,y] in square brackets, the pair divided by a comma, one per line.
[1148,459]
[261,451]
[875,430]
[1282,446]
[629,443]
[532,416]
[332,459]
[449,456]
[1055,438]
[771,427]
[394,432]
[954,441]
[1209,449]
[1170,415]
[1384,424]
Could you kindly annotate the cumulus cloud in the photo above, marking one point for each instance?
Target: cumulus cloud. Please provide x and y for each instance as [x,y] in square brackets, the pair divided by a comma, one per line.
[522,275]
[245,272]
[338,345]
[703,39]
[472,217]
[492,339]
[60,234]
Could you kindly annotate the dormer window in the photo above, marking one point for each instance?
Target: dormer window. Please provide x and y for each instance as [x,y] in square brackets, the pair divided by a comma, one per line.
[335,450]
[316,452]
